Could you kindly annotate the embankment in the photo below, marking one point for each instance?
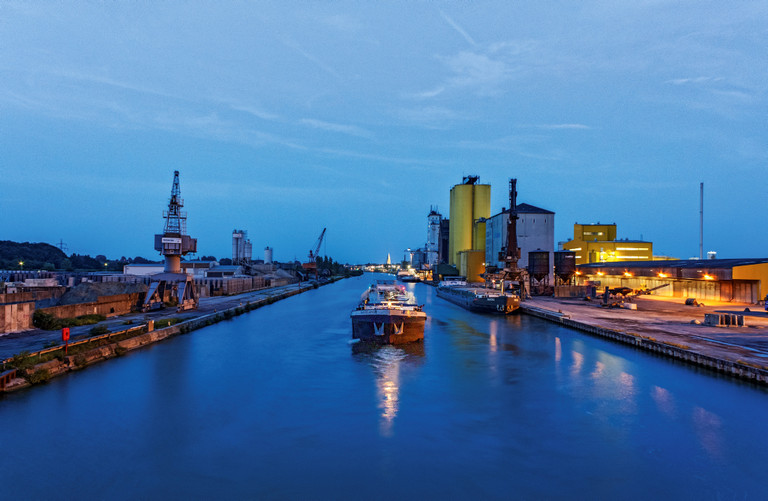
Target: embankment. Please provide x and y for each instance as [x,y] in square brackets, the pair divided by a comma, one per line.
[55,363]
[737,369]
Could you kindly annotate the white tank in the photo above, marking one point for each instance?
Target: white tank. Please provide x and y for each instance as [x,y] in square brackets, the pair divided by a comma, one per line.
[268,255]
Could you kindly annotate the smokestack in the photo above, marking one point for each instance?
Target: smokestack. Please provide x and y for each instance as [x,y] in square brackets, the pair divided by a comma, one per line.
[701,221]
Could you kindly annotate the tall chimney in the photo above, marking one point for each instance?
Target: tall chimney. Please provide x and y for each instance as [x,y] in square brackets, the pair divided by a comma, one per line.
[701,221]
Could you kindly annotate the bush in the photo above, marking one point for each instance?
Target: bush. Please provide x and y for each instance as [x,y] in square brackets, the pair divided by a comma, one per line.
[22,361]
[80,361]
[166,322]
[39,376]
[82,320]
[99,330]
[45,321]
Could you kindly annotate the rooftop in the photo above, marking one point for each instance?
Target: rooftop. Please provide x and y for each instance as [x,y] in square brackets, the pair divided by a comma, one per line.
[679,263]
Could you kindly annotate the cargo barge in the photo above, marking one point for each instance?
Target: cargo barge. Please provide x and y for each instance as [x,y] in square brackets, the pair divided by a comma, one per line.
[388,314]
[477,299]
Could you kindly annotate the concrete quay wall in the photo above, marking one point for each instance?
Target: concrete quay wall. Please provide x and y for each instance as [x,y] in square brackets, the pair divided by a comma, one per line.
[71,363]
[681,352]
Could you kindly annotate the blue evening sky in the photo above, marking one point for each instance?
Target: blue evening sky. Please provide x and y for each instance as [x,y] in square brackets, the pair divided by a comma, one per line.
[287,117]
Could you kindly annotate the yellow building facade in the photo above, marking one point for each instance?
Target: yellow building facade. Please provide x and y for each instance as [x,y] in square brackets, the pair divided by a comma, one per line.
[472,265]
[596,243]
[469,202]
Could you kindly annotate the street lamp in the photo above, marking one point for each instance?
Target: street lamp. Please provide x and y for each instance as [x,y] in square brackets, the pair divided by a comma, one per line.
[21,265]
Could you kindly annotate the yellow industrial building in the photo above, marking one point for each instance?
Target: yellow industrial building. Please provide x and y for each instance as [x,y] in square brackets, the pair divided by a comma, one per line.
[470,205]
[596,243]
[731,280]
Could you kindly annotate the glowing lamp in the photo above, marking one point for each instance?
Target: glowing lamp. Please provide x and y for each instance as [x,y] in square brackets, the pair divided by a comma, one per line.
[708,277]
[627,274]
[662,275]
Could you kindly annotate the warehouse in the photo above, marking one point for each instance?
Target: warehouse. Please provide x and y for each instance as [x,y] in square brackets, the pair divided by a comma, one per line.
[737,280]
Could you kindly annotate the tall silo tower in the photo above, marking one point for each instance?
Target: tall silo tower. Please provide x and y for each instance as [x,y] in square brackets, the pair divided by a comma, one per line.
[433,236]
[470,206]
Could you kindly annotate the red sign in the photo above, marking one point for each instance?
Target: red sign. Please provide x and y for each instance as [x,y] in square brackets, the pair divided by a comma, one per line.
[65,334]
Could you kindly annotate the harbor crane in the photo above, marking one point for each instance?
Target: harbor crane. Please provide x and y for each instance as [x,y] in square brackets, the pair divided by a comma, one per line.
[512,273]
[311,264]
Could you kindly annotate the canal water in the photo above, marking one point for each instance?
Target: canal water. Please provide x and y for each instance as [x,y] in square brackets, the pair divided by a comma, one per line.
[276,404]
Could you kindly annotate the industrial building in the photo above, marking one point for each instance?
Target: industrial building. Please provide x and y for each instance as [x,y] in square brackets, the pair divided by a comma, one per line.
[242,249]
[738,280]
[597,243]
[470,208]
[535,232]
[432,249]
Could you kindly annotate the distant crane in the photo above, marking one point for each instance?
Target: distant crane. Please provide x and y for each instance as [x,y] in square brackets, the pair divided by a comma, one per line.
[311,264]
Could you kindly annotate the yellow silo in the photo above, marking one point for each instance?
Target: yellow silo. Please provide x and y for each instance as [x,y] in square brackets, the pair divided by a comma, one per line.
[469,202]
[481,209]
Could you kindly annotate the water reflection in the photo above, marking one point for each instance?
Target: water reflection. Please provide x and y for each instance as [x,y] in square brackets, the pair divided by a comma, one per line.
[664,402]
[707,426]
[387,362]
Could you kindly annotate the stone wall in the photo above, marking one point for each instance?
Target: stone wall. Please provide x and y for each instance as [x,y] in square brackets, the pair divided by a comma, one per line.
[109,306]
[16,316]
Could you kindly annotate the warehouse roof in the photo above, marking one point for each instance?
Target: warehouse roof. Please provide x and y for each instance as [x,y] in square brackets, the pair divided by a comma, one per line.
[528,209]
[679,263]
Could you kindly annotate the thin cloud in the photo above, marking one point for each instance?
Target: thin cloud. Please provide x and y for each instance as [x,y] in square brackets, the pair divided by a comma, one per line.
[696,80]
[563,126]
[255,112]
[458,29]
[296,47]
[432,117]
[352,130]
[429,93]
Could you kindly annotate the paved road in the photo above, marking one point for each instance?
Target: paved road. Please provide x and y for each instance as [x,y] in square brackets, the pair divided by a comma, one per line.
[37,339]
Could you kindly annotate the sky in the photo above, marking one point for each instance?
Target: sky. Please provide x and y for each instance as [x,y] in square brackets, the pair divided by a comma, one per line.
[288,117]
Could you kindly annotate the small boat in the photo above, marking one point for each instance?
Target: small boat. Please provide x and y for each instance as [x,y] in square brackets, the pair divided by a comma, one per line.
[407,276]
[477,299]
[388,314]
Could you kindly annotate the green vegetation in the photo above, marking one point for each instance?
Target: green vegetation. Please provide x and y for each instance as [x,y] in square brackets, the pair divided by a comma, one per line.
[99,330]
[48,322]
[40,376]
[166,322]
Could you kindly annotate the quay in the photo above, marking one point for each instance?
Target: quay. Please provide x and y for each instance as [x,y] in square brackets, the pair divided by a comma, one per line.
[669,327]
[140,333]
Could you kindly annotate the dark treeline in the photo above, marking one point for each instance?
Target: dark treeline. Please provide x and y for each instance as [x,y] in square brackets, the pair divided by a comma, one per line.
[42,256]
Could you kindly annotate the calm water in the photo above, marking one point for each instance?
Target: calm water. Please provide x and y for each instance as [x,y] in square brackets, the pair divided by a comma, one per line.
[277,404]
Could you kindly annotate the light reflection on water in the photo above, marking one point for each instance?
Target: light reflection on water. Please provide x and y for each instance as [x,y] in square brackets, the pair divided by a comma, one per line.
[386,363]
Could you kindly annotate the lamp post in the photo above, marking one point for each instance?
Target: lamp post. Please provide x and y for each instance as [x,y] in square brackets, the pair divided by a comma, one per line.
[21,265]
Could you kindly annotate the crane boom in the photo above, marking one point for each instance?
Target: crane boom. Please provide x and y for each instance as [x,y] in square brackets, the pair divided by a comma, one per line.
[313,256]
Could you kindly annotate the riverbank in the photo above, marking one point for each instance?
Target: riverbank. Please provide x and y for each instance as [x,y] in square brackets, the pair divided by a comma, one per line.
[21,372]
[668,327]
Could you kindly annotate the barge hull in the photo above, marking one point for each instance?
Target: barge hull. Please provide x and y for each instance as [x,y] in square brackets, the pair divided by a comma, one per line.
[387,328]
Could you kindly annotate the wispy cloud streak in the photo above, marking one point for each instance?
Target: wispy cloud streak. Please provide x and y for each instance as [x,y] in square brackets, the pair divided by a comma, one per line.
[461,31]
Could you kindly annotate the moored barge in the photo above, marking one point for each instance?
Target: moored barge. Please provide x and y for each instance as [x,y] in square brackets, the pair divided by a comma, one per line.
[477,299]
